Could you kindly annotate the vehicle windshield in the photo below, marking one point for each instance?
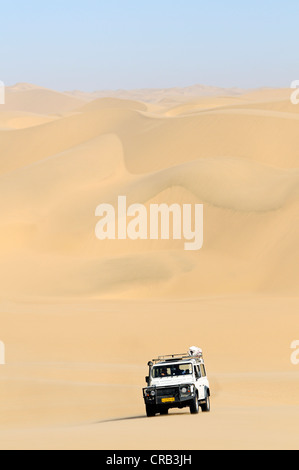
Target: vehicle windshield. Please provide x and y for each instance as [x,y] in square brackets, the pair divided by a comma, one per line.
[174,370]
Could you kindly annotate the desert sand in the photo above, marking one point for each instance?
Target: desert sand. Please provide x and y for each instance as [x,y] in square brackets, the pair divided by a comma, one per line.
[80,317]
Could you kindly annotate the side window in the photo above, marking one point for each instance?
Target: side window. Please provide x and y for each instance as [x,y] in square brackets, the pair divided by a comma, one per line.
[203,370]
[197,372]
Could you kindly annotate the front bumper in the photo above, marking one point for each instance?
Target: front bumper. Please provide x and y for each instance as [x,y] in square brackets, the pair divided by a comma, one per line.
[171,397]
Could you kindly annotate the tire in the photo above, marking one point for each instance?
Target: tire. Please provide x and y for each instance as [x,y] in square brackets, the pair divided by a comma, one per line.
[206,407]
[164,412]
[194,406]
[150,411]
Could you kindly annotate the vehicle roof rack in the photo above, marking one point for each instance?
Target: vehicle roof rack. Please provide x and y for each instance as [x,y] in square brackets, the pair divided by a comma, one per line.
[176,357]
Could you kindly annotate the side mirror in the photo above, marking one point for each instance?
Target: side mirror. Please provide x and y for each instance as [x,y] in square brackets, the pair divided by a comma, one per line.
[147,380]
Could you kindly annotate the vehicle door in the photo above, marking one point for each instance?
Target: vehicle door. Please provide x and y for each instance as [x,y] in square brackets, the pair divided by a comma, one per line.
[200,381]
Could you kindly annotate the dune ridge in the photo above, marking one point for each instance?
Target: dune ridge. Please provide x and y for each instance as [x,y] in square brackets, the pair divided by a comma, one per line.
[235,154]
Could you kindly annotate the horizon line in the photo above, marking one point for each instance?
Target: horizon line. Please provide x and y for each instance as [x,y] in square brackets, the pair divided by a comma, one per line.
[215,87]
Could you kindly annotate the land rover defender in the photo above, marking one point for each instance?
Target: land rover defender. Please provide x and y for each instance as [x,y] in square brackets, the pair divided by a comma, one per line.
[177,381]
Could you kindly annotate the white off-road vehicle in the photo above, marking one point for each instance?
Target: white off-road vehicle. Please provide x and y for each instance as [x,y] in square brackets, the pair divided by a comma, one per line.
[177,381]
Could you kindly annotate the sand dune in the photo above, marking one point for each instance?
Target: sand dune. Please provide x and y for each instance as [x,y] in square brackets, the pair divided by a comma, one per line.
[162,95]
[21,120]
[240,162]
[65,296]
[106,103]
[34,99]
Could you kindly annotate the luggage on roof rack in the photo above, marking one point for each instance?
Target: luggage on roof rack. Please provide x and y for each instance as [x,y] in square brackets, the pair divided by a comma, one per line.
[177,357]
[172,357]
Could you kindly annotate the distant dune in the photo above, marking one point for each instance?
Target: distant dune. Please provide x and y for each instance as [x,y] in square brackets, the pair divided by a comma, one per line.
[156,95]
[33,99]
[236,154]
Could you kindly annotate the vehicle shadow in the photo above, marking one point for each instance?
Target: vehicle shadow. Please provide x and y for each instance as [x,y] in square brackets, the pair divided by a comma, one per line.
[126,418]
[132,418]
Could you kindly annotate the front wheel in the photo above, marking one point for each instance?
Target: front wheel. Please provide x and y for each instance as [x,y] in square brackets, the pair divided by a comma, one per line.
[194,407]
[150,411]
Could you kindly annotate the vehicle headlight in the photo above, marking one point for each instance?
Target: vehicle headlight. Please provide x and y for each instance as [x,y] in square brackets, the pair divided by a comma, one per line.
[187,390]
[153,393]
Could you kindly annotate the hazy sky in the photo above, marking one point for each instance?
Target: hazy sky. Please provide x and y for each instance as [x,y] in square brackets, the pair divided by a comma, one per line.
[111,44]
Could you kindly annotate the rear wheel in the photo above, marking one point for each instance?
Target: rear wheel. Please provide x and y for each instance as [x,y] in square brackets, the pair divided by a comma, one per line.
[150,411]
[206,407]
[194,407]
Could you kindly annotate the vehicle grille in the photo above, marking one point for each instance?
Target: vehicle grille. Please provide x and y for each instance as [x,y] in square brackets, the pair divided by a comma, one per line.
[167,392]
